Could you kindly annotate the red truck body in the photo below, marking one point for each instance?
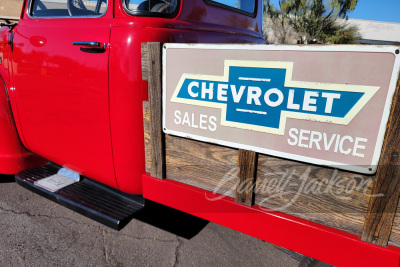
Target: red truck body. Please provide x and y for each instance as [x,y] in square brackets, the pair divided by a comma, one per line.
[80,107]
[83,109]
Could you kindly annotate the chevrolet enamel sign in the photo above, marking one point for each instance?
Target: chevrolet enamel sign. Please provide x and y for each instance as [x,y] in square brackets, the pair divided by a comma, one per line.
[325,105]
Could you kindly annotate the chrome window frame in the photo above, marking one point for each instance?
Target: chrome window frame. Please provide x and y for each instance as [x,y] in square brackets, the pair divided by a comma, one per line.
[30,6]
[237,10]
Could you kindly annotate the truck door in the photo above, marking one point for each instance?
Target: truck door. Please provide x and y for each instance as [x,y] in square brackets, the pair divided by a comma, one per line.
[60,70]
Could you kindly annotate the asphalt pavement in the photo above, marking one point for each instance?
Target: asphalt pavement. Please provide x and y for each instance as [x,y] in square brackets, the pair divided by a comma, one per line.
[38,232]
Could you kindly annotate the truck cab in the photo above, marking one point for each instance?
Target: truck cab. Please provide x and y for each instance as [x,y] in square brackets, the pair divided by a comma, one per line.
[71,78]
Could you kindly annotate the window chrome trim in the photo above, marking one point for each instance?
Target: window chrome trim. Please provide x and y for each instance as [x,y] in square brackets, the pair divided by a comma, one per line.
[30,6]
[237,10]
[152,14]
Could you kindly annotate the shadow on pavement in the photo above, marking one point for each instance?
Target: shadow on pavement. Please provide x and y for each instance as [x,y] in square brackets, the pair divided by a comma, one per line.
[160,216]
[171,220]
[7,179]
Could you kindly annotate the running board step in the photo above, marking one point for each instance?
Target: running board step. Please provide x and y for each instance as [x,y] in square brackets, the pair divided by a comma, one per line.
[99,202]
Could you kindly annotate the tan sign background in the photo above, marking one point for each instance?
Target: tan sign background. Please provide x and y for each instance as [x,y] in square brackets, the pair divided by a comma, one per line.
[354,65]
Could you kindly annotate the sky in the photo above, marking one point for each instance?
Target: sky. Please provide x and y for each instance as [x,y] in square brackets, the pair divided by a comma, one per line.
[379,10]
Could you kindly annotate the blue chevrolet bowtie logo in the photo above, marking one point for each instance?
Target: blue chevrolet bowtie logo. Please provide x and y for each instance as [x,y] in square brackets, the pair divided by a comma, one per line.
[261,96]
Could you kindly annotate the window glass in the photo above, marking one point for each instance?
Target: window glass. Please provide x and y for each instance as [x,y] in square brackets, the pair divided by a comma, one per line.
[247,6]
[151,6]
[68,8]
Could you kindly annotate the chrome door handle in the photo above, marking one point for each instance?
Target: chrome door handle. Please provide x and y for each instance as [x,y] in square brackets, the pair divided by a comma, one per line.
[95,45]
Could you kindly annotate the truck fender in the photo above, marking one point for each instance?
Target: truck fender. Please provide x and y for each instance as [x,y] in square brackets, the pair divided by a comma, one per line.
[14,157]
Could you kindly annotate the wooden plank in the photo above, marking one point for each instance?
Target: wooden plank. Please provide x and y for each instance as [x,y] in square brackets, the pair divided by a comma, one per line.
[203,165]
[145,65]
[155,98]
[247,161]
[394,239]
[334,198]
[381,211]
[147,137]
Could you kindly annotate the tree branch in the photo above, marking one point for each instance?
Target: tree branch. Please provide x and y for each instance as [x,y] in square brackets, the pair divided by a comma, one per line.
[322,24]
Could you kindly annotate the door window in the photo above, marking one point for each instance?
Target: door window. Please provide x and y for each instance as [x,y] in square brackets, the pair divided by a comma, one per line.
[151,7]
[243,6]
[68,8]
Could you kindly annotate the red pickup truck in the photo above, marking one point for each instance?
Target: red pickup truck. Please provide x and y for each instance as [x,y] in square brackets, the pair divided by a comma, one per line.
[71,72]
[74,128]
[72,91]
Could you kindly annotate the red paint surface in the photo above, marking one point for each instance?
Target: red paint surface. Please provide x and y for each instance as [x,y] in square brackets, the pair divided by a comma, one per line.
[84,110]
[4,54]
[317,241]
[13,156]
[61,94]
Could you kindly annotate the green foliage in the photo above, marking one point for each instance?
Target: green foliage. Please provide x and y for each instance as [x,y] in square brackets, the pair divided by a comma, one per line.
[342,34]
[315,20]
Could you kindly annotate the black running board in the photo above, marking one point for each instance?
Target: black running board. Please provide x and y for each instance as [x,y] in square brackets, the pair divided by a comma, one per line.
[99,202]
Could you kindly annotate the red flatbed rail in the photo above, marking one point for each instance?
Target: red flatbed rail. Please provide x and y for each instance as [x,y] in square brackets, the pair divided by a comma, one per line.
[314,240]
